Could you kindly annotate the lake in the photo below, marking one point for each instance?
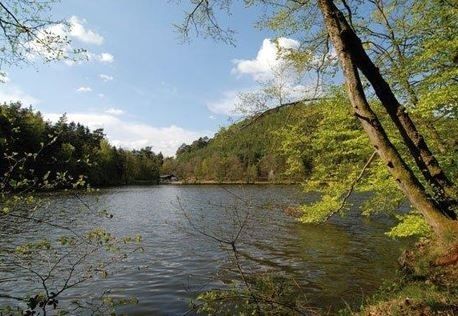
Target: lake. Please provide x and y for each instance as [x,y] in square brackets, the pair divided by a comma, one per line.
[336,263]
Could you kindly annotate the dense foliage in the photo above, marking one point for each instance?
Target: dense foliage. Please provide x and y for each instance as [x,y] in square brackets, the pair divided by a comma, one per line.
[69,148]
[246,152]
[398,58]
[319,144]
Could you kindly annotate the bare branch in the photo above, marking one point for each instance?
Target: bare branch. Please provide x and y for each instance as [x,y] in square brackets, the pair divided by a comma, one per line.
[352,186]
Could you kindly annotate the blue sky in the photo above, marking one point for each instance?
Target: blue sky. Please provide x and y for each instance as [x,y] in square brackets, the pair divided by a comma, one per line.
[142,84]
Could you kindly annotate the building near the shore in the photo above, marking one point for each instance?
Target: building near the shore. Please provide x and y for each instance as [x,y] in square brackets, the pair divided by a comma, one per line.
[167,178]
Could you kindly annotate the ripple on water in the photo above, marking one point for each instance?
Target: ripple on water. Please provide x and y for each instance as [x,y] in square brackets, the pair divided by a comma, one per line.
[335,262]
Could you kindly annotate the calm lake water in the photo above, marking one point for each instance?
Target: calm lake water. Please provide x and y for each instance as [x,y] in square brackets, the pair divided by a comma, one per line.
[335,263]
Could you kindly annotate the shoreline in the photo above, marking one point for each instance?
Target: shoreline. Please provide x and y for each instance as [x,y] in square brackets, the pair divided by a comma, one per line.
[228,183]
[96,189]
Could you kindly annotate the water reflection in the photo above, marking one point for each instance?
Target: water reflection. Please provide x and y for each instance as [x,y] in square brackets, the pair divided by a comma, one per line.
[334,262]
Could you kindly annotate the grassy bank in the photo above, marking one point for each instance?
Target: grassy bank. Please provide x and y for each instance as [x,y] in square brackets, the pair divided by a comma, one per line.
[427,284]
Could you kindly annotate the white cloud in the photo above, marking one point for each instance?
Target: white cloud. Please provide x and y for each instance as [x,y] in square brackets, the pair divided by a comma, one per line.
[105,58]
[84,89]
[277,81]
[269,57]
[59,36]
[226,105]
[88,56]
[133,134]
[14,94]
[236,103]
[212,117]
[78,31]
[106,77]
[75,29]
[114,111]
[101,95]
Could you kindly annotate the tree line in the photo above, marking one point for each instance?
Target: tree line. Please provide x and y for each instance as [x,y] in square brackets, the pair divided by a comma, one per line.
[237,153]
[68,149]
[402,54]
[320,145]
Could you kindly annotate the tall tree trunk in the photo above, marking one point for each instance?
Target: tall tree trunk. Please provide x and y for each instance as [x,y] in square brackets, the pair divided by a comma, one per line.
[403,175]
[415,142]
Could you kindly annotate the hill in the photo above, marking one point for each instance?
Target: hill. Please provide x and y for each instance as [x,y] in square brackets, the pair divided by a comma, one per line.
[248,151]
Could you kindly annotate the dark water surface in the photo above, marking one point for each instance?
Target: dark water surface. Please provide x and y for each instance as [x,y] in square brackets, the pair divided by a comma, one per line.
[336,263]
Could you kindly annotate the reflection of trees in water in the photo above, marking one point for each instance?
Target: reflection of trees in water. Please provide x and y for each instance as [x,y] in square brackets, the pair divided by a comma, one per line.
[331,262]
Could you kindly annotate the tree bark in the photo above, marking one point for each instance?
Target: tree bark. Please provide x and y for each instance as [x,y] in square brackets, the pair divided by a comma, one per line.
[397,167]
[415,142]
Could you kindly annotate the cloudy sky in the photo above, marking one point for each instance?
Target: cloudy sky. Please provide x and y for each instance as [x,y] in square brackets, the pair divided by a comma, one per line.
[141,83]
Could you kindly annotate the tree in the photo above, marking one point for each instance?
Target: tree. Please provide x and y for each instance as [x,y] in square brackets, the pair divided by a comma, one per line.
[425,160]
[27,32]
[51,265]
[338,30]
[75,150]
[325,21]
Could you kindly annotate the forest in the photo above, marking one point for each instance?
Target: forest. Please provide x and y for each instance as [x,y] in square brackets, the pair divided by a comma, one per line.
[351,108]
[289,146]
[69,150]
